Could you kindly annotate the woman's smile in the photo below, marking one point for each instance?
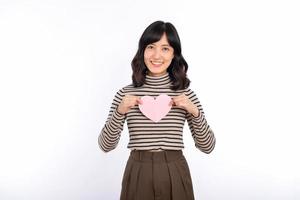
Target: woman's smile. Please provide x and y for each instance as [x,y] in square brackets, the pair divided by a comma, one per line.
[156,63]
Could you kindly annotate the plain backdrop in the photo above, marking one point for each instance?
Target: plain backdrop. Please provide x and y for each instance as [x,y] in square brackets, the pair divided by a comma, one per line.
[63,61]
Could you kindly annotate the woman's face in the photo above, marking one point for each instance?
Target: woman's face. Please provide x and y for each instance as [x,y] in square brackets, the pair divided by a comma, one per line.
[158,56]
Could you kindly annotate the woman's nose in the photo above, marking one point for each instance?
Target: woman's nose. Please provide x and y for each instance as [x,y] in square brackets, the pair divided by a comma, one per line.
[156,54]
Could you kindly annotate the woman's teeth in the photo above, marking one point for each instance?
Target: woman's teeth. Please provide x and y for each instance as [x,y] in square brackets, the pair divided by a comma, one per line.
[156,63]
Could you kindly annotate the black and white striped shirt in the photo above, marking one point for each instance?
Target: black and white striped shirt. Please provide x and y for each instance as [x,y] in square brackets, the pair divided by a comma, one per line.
[145,134]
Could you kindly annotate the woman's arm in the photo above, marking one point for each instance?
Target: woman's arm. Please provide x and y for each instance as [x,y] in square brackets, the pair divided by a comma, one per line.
[202,133]
[111,132]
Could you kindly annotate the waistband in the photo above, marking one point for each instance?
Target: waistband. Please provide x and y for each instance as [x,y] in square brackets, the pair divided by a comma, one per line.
[159,156]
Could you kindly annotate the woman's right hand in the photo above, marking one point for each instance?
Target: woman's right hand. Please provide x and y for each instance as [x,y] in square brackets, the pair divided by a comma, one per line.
[128,102]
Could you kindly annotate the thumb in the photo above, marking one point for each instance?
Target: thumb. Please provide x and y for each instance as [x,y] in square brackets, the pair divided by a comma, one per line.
[171,103]
[139,100]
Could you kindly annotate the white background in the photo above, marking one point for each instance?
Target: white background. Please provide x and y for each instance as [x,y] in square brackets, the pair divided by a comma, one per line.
[63,61]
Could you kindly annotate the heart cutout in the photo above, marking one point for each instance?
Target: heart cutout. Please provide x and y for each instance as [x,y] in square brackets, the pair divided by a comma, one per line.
[155,109]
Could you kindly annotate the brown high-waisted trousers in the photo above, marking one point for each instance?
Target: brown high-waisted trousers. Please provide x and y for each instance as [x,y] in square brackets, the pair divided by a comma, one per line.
[162,175]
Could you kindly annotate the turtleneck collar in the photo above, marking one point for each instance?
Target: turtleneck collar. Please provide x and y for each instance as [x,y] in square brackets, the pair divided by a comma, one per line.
[158,81]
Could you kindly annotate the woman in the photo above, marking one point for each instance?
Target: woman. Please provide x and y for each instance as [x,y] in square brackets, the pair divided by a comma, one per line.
[156,168]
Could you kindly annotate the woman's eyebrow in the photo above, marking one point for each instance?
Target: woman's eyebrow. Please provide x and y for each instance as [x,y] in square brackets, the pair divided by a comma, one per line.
[161,45]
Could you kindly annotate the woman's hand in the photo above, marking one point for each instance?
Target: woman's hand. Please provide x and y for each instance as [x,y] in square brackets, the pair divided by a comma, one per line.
[128,102]
[183,101]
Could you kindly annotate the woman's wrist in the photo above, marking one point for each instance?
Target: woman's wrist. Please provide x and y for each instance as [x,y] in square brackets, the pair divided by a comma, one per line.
[195,112]
[119,111]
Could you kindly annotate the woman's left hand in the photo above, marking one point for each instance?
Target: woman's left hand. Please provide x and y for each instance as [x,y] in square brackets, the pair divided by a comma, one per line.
[183,101]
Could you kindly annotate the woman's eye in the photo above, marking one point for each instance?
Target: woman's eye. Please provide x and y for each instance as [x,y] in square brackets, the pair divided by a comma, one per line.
[166,49]
[150,47]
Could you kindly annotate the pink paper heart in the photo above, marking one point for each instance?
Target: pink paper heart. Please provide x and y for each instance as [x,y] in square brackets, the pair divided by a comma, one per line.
[155,109]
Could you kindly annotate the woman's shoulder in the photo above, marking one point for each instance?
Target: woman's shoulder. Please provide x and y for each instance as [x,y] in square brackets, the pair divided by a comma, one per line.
[125,89]
[189,90]
[130,89]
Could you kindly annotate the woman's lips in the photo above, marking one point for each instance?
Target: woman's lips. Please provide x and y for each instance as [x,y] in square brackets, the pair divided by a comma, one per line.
[156,64]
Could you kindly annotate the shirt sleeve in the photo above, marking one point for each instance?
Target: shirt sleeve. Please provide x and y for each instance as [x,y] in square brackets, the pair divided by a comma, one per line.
[202,133]
[111,132]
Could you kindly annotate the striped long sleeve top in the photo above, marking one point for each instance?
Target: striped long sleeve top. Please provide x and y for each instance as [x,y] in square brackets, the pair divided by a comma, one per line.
[145,134]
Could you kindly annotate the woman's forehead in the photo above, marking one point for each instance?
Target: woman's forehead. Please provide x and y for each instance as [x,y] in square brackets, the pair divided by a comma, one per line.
[163,41]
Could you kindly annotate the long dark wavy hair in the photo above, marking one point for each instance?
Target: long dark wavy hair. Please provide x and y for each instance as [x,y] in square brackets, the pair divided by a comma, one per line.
[178,67]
